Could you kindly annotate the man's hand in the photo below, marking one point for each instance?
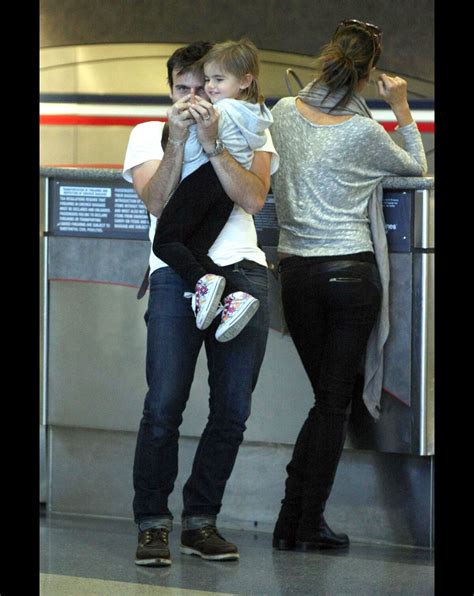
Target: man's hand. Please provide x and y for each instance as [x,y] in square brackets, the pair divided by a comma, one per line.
[155,179]
[180,118]
[207,120]
[247,188]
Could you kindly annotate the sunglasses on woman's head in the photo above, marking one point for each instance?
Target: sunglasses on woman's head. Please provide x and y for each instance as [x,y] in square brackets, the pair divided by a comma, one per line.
[375,33]
[372,29]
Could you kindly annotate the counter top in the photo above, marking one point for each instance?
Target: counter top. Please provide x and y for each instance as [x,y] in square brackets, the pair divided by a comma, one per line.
[409,183]
[391,182]
[81,173]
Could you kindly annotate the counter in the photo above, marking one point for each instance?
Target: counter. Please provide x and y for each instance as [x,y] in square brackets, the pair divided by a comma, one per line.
[94,250]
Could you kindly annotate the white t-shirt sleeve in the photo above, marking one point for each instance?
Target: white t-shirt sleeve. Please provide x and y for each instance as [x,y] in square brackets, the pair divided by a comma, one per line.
[144,144]
[270,148]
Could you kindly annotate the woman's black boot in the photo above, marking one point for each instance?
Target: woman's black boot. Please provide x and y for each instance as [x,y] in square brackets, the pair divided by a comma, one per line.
[319,538]
[324,452]
[284,533]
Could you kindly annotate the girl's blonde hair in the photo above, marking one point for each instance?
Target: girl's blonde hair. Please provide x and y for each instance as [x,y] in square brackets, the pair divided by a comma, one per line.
[238,58]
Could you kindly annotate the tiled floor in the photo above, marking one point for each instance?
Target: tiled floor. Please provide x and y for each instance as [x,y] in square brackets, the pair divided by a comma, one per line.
[94,556]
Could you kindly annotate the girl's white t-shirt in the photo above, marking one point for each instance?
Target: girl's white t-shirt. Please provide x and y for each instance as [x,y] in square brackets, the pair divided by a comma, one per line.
[238,238]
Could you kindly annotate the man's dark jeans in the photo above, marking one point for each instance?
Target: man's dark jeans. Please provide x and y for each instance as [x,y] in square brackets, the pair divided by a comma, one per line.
[330,308]
[173,345]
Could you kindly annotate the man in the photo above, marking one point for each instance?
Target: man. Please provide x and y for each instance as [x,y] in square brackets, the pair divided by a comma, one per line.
[174,341]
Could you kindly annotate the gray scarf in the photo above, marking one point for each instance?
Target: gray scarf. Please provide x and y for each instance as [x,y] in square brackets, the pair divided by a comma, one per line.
[316,95]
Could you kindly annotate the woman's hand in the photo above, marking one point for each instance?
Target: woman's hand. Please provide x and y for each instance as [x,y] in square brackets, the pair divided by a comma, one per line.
[394,91]
[207,120]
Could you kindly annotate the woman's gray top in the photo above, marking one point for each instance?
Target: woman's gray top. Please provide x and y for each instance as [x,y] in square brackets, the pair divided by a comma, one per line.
[327,175]
[328,196]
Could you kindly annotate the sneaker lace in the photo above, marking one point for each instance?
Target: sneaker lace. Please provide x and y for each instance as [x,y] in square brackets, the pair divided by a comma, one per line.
[209,531]
[154,533]
[191,295]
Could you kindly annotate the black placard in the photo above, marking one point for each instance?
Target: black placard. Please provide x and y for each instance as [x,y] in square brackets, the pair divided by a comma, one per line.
[113,210]
[97,209]
[397,210]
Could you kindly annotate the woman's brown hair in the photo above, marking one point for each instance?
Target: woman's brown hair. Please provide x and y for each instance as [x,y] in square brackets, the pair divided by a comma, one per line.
[347,59]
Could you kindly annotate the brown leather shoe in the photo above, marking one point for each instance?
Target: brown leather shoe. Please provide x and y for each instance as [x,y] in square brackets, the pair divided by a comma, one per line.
[207,543]
[153,549]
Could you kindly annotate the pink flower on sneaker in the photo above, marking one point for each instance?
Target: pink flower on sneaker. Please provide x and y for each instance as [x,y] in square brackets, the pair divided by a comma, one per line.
[205,303]
[230,306]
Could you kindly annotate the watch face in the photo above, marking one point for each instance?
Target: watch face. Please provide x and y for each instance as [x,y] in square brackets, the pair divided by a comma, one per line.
[218,149]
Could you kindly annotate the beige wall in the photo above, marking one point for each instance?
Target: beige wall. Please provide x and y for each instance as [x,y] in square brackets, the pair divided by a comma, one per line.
[140,69]
[136,69]
[125,69]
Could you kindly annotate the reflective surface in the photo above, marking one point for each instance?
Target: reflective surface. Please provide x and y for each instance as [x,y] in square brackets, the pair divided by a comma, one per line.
[75,551]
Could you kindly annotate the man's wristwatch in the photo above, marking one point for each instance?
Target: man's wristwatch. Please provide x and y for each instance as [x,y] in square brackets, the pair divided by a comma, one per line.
[219,148]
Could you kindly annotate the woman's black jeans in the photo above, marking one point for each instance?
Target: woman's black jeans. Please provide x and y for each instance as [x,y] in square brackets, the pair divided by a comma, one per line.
[330,306]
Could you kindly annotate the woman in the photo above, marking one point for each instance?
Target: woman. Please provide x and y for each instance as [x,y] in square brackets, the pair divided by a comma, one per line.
[328,199]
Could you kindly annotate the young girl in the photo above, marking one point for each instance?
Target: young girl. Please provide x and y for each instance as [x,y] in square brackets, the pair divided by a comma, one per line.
[199,208]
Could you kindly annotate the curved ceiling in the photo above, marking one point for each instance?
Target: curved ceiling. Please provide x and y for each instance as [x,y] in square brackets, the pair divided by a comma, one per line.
[297,27]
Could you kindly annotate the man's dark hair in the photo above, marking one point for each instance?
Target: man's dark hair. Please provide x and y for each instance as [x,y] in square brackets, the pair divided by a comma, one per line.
[183,59]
